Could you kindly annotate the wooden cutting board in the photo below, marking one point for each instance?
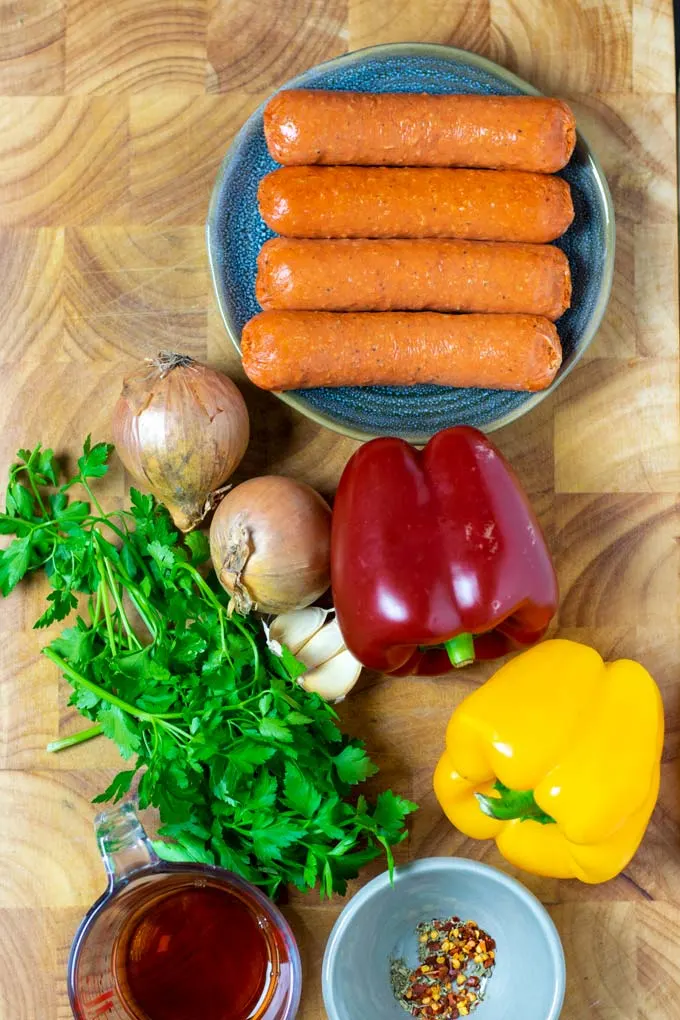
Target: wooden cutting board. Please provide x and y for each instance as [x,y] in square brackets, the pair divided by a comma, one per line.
[113,119]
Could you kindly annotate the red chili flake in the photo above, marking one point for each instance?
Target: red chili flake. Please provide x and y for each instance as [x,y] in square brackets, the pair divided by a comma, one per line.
[438,988]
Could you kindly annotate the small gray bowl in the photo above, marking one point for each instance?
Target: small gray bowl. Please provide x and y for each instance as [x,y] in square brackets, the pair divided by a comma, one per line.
[378,923]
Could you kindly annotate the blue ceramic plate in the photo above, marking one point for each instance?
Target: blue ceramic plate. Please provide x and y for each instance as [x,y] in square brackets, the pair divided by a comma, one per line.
[236,233]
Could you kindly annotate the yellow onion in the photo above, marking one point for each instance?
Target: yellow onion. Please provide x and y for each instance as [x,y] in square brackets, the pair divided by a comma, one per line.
[270,544]
[181,430]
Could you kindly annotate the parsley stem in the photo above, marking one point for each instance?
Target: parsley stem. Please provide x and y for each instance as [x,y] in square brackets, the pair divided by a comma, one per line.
[254,697]
[124,537]
[253,647]
[210,595]
[142,605]
[122,615]
[31,481]
[112,699]
[223,636]
[85,484]
[95,689]
[134,595]
[36,493]
[200,584]
[177,732]
[76,738]
[105,602]
[97,608]
[32,526]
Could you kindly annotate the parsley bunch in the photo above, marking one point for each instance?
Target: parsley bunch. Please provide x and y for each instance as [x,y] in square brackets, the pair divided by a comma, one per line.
[247,769]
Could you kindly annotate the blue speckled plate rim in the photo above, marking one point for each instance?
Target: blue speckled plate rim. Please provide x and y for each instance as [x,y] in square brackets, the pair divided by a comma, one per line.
[475,60]
[460,865]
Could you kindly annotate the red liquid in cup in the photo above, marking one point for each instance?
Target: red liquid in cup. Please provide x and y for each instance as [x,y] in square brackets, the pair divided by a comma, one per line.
[198,952]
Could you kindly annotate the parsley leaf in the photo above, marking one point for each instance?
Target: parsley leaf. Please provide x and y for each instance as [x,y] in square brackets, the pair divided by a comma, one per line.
[294,668]
[14,562]
[93,463]
[247,757]
[390,813]
[298,719]
[199,547]
[275,730]
[19,501]
[117,725]
[76,644]
[119,786]
[61,605]
[354,765]
[270,841]
[299,793]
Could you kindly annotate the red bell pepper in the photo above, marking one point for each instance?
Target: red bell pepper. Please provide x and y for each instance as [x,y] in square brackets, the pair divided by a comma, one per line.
[437,547]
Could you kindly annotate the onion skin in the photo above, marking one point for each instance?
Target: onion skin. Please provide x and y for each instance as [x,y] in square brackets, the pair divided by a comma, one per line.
[270,544]
[181,430]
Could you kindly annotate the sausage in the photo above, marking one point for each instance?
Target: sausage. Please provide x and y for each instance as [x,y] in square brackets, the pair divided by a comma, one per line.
[399,129]
[443,275]
[354,201]
[295,350]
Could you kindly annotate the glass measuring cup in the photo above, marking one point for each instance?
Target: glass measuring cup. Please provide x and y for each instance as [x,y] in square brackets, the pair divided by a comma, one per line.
[139,884]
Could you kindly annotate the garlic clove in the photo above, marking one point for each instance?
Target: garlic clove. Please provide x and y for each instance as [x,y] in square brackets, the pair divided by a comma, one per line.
[295,629]
[334,678]
[322,646]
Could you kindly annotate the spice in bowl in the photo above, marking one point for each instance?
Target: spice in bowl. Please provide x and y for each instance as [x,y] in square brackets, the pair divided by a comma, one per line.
[456,959]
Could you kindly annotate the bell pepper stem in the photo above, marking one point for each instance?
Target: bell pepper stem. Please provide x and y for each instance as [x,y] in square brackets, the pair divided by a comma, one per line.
[461,650]
[513,804]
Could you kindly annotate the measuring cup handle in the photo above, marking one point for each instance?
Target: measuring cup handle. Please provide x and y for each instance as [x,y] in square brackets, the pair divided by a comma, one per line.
[123,843]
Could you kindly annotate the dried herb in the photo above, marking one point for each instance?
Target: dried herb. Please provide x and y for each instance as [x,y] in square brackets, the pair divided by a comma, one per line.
[456,959]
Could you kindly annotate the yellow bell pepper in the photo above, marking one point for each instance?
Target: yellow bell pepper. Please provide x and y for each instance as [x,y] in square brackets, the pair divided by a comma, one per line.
[557,758]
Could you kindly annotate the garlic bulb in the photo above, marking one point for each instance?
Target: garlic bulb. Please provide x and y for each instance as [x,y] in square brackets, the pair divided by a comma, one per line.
[332,670]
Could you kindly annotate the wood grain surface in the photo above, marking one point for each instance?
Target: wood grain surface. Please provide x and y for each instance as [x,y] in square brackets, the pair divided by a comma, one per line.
[113,119]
